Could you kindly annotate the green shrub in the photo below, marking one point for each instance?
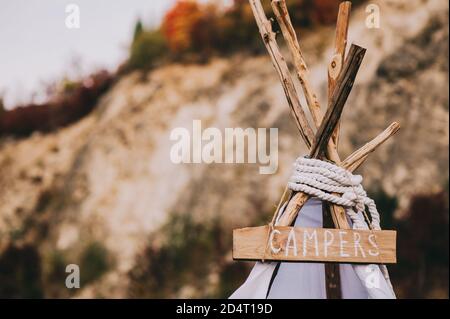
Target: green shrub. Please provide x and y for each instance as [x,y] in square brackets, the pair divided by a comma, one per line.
[186,253]
[2,107]
[147,49]
[54,275]
[138,29]
[95,262]
[20,273]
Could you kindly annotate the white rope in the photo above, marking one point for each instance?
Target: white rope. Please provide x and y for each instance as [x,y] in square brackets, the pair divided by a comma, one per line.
[337,185]
[324,180]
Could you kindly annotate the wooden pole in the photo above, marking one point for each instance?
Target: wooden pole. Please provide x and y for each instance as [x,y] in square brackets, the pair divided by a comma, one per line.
[344,85]
[288,31]
[265,29]
[332,273]
[289,34]
[268,36]
[280,10]
[340,43]
[351,163]
[340,95]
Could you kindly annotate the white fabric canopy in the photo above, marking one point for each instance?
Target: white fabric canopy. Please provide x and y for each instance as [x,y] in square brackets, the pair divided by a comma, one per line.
[307,280]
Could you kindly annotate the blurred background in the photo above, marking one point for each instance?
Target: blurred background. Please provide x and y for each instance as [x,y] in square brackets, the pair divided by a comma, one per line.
[86,113]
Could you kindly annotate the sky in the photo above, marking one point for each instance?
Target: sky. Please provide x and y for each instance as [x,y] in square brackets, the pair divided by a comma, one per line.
[37,47]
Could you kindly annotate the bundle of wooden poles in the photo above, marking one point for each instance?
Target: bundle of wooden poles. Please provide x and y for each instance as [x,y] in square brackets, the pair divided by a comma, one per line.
[321,136]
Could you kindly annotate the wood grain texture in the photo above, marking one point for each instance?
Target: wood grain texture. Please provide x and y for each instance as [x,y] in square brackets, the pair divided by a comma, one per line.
[336,63]
[284,21]
[278,61]
[315,244]
[282,15]
[288,31]
[297,200]
[322,138]
[332,271]
[353,161]
[338,99]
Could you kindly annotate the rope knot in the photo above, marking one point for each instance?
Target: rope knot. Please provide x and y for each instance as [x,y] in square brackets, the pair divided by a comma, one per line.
[334,184]
[350,196]
[356,179]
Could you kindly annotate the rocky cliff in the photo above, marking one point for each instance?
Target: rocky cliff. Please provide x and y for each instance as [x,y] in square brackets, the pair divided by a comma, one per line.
[103,193]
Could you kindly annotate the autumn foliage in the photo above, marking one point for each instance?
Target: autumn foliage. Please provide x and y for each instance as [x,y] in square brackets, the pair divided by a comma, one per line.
[190,32]
[193,31]
[179,25]
[77,100]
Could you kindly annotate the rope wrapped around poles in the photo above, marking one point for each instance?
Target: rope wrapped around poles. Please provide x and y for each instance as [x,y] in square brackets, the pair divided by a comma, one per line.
[337,185]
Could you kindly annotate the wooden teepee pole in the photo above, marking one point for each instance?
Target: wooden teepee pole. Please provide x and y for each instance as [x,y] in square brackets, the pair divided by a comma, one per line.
[279,63]
[288,31]
[268,36]
[340,43]
[282,16]
[322,138]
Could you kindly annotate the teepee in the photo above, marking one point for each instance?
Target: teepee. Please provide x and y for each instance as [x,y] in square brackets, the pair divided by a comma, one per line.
[324,240]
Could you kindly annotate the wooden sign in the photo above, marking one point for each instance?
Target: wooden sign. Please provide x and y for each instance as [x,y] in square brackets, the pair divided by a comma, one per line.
[315,244]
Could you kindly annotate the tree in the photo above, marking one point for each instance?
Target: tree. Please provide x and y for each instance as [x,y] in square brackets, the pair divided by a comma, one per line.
[2,106]
[179,23]
[138,29]
[148,49]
